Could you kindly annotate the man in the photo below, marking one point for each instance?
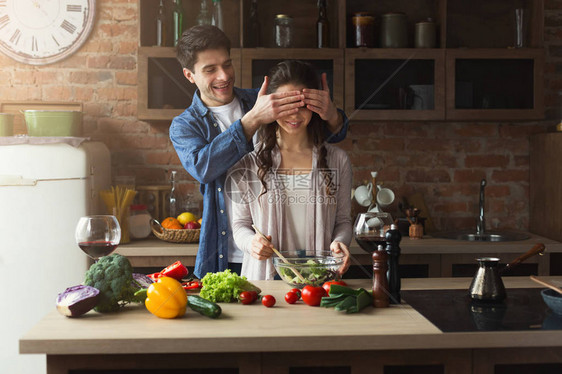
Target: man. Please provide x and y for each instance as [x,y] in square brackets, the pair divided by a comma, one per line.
[217,130]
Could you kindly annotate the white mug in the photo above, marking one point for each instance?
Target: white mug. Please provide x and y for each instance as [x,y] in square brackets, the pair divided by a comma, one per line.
[364,194]
[385,197]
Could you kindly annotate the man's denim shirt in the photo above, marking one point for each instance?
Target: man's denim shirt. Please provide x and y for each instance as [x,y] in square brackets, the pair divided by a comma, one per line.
[207,154]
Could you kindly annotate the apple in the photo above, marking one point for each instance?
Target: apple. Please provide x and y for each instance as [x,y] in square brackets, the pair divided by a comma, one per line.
[192,225]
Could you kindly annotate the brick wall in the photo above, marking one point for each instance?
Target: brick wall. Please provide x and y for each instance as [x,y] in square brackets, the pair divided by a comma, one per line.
[443,161]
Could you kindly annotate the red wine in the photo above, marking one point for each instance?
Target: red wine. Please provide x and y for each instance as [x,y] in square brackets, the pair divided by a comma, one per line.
[97,249]
[370,243]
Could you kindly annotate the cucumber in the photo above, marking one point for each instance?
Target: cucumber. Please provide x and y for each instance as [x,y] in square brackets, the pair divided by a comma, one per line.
[204,306]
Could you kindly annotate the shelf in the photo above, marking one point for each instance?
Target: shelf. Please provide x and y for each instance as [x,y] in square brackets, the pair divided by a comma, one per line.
[491,24]
[166,92]
[257,62]
[304,14]
[495,84]
[415,11]
[148,10]
[392,94]
[487,80]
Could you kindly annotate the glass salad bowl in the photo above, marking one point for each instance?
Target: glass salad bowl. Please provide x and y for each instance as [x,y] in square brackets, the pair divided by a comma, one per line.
[299,271]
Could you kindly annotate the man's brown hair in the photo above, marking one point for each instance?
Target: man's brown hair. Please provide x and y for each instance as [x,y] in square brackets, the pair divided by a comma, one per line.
[198,39]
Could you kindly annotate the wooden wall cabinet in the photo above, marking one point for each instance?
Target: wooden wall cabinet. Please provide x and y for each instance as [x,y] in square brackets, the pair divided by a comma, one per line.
[474,73]
[545,216]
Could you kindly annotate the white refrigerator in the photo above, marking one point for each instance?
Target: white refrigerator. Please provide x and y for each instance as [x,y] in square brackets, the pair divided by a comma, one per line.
[44,190]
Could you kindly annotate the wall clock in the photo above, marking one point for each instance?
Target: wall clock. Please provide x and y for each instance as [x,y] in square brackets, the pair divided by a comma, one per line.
[40,32]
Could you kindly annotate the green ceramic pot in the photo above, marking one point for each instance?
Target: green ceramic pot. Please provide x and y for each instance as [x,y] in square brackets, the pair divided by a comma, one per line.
[394,31]
[6,124]
[53,122]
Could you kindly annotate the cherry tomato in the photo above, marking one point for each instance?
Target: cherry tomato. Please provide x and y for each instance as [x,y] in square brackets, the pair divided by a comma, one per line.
[297,291]
[254,295]
[246,297]
[291,297]
[327,285]
[268,301]
[313,295]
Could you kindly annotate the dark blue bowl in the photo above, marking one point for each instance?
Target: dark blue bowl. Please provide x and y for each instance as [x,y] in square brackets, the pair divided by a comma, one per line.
[553,299]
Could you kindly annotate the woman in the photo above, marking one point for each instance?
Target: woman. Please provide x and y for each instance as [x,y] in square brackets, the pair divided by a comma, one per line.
[294,187]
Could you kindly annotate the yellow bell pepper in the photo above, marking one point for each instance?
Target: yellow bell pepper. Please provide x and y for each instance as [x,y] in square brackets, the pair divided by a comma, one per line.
[166,298]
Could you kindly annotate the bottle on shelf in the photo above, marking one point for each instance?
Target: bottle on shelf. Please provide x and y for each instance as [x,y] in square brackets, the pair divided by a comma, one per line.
[178,21]
[203,18]
[216,19]
[322,26]
[253,39]
[161,25]
[172,199]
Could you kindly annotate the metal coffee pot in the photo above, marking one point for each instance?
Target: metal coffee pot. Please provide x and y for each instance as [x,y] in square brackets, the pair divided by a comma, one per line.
[487,284]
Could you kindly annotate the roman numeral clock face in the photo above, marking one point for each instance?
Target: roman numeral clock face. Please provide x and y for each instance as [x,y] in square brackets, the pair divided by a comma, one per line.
[40,32]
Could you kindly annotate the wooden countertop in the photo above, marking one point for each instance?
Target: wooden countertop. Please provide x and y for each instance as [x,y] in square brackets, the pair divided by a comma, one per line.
[254,328]
[428,245]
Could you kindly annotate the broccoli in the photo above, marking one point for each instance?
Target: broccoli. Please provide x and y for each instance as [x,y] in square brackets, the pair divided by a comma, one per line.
[113,277]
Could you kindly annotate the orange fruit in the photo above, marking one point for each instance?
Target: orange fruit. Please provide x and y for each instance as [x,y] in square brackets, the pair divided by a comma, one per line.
[171,223]
[200,221]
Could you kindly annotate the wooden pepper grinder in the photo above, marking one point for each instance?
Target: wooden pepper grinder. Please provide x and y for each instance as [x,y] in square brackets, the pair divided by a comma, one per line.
[393,238]
[416,229]
[380,283]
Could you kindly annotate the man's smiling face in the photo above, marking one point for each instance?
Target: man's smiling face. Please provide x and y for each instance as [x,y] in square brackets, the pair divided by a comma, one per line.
[213,74]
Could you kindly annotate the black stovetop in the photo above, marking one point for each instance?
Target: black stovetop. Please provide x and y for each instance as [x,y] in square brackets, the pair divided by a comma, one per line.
[454,311]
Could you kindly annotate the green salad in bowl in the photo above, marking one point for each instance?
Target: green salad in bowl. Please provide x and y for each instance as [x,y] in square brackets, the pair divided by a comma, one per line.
[307,270]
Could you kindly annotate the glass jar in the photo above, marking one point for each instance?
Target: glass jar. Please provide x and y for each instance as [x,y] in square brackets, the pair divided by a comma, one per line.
[139,222]
[283,31]
[363,30]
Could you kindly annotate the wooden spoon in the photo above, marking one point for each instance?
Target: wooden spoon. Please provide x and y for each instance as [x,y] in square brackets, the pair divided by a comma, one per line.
[546,284]
[297,273]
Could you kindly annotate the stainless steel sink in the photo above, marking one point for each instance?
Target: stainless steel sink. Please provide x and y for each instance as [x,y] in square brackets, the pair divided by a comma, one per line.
[481,234]
[487,236]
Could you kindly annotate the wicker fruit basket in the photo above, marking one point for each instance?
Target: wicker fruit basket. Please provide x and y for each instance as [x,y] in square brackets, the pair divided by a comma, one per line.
[175,235]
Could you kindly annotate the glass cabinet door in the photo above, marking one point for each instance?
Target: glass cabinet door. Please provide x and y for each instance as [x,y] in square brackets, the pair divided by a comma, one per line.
[395,84]
[491,84]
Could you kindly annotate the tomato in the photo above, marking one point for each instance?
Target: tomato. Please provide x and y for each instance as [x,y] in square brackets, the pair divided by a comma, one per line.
[246,297]
[313,295]
[297,291]
[291,297]
[327,285]
[254,295]
[268,301]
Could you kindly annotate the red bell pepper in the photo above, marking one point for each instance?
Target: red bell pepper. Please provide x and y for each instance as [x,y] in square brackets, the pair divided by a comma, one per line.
[154,276]
[192,285]
[177,271]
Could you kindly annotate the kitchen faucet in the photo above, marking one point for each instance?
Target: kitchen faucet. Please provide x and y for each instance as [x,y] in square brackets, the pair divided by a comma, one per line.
[481,221]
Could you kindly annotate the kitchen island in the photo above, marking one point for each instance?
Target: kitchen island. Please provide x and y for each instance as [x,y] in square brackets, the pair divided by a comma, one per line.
[435,257]
[289,338]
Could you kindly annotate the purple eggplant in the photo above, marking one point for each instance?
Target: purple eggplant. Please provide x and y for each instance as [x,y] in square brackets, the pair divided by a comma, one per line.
[77,300]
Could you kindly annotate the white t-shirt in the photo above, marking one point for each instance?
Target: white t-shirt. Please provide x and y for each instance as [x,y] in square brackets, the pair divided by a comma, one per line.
[225,115]
[296,193]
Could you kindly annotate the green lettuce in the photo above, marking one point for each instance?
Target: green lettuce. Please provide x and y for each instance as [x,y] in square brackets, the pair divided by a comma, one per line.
[225,286]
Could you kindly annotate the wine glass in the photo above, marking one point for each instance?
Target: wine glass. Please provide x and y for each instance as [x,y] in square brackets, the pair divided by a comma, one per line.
[98,235]
[370,228]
